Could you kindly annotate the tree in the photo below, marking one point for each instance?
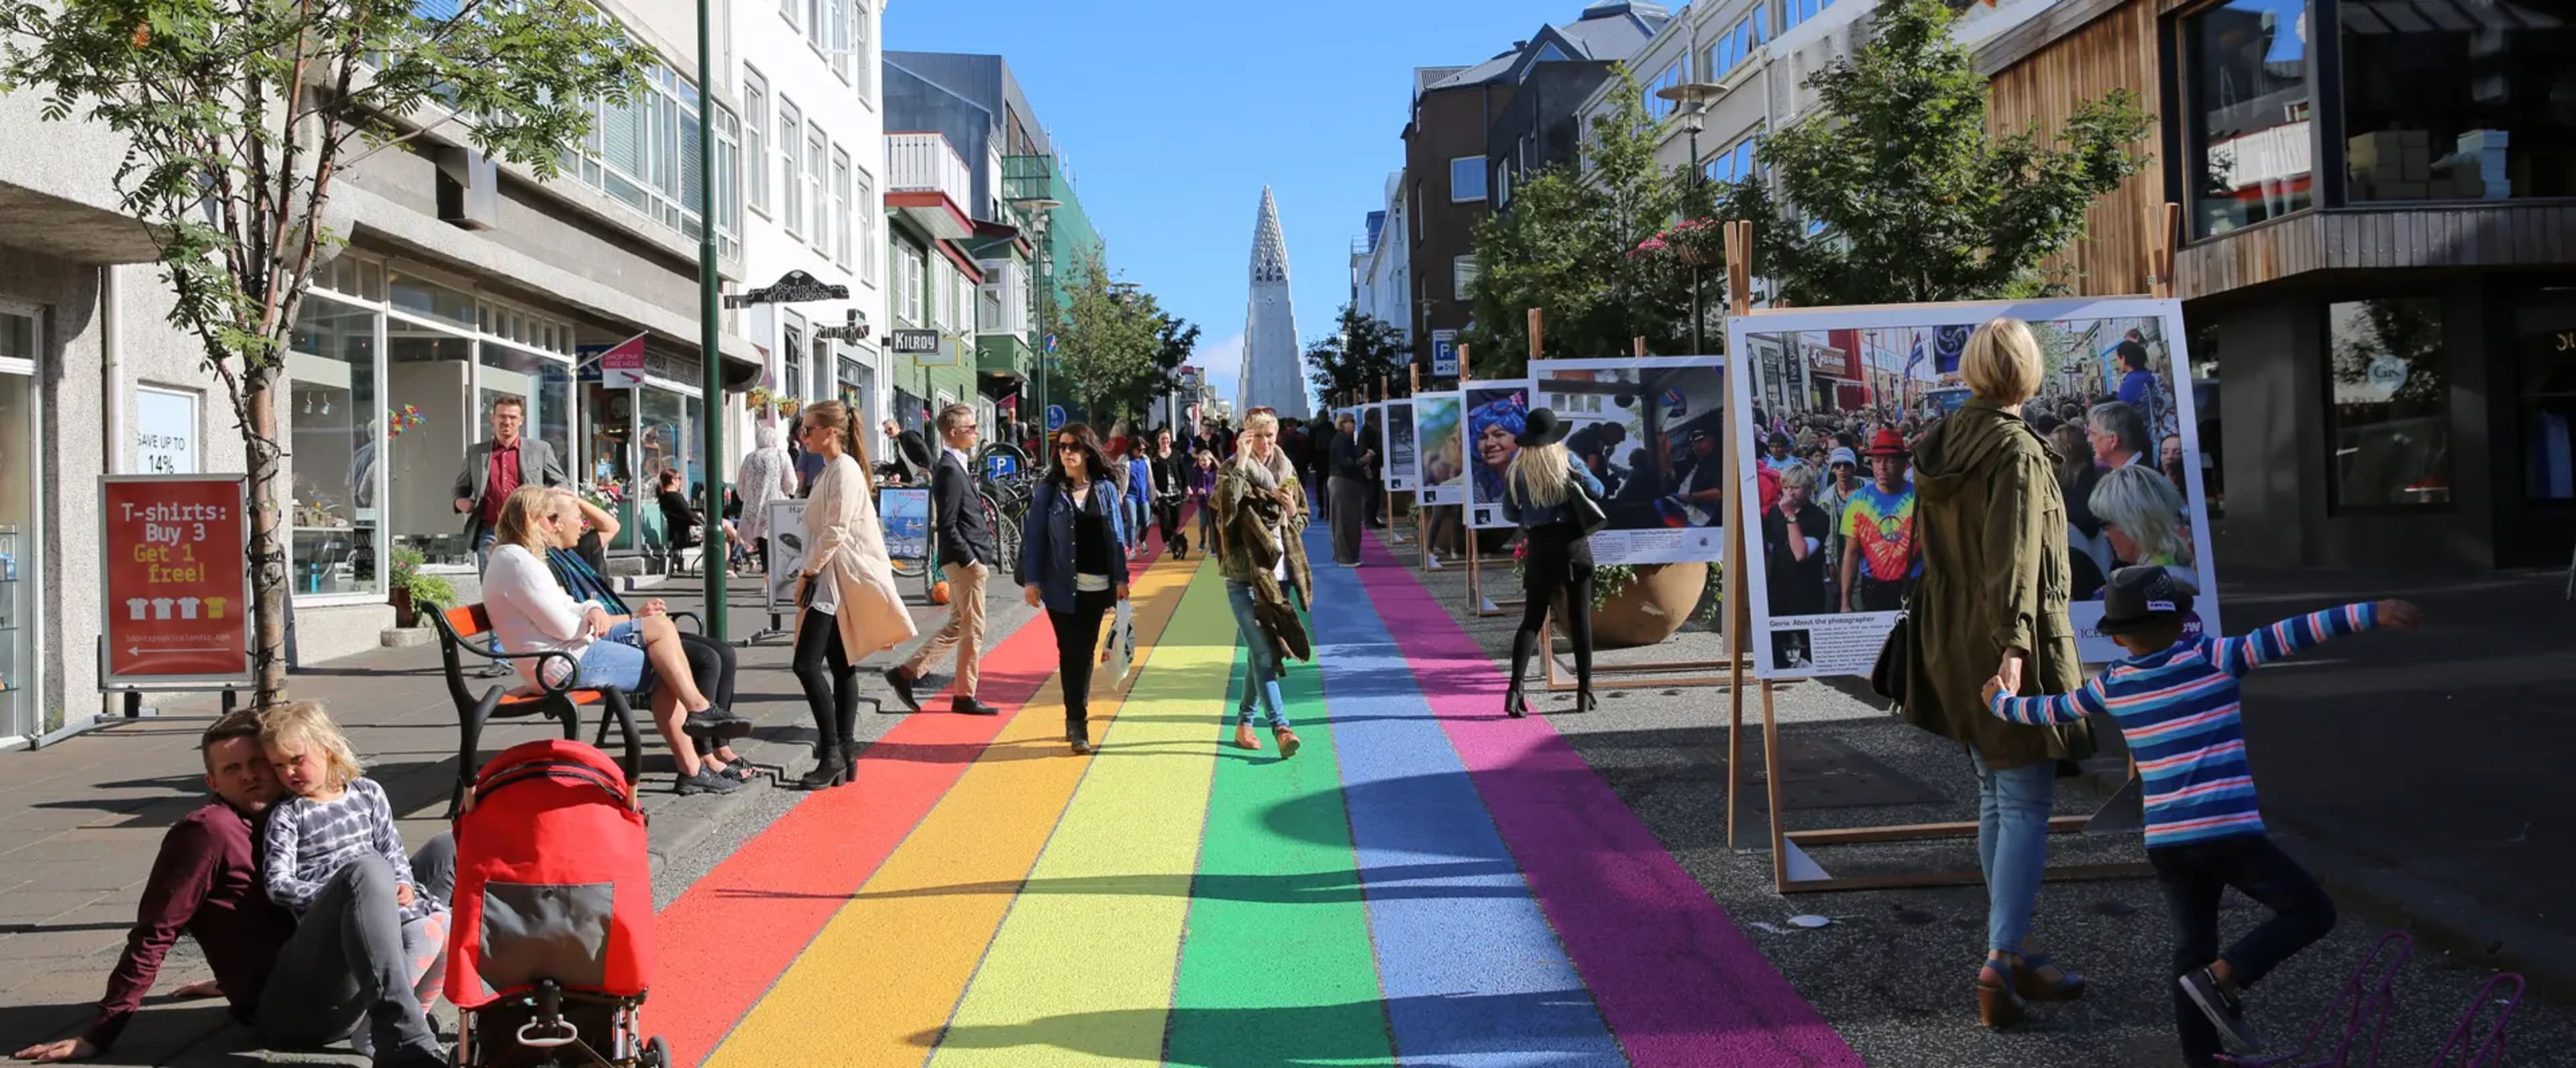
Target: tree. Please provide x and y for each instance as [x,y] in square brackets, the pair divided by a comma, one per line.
[1175,341]
[1107,337]
[241,115]
[1564,248]
[1910,199]
[1362,351]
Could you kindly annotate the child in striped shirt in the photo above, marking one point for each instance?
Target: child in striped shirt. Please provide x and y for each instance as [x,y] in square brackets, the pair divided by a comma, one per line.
[2175,699]
[331,817]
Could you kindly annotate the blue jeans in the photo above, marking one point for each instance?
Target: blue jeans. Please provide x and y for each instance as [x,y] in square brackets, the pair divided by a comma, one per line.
[612,662]
[1263,674]
[483,538]
[2193,876]
[2012,844]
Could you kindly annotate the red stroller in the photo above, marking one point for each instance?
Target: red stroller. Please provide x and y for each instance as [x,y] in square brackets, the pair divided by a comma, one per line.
[552,946]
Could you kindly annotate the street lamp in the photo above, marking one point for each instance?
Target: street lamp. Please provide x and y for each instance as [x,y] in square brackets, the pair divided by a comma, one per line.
[1694,98]
[1038,209]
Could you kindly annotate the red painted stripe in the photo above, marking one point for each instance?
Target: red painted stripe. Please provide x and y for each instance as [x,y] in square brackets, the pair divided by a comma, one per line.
[733,933]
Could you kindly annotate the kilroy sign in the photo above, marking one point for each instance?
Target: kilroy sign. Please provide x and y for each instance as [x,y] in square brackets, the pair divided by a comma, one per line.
[914,342]
[794,287]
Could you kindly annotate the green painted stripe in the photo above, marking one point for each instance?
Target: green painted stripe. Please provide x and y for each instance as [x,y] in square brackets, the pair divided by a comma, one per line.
[1276,967]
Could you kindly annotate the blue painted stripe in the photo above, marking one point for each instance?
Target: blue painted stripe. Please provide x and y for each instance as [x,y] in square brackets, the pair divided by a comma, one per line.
[1472,973]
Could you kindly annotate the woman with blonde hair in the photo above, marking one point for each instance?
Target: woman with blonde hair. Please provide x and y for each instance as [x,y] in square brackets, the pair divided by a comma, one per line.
[532,613]
[851,607]
[1260,510]
[1991,528]
[2142,519]
[1538,491]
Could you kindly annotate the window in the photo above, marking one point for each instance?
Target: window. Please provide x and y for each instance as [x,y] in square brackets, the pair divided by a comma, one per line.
[1502,185]
[908,269]
[864,215]
[1466,179]
[2204,410]
[791,149]
[1738,44]
[1462,271]
[841,206]
[1733,164]
[791,354]
[863,63]
[332,413]
[2248,154]
[790,10]
[728,183]
[1657,107]
[818,157]
[644,154]
[2388,407]
[2545,333]
[755,140]
[1793,12]
[821,387]
[2463,102]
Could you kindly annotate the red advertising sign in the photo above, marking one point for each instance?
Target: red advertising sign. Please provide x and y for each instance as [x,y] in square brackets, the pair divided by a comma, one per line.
[177,595]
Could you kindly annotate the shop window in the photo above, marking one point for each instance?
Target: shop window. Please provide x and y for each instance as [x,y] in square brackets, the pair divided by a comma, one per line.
[2545,335]
[426,377]
[2464,102]
[338,432]
[2250,157]
[2204,409]
[2388,408]
[430,300]
[610,455]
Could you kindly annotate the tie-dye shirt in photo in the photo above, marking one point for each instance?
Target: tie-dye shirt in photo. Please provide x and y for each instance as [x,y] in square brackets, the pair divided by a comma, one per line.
[1882,524]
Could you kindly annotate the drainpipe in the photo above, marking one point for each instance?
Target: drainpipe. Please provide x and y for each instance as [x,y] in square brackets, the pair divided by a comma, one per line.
[111,367]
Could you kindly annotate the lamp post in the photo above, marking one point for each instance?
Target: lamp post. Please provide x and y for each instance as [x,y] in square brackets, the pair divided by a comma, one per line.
[710,354]
[1038,209]
[1694,98]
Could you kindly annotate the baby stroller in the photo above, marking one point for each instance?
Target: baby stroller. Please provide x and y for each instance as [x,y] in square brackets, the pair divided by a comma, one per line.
[552,946]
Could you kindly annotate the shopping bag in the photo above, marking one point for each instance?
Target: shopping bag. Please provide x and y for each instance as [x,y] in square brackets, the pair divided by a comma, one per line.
[1119,654]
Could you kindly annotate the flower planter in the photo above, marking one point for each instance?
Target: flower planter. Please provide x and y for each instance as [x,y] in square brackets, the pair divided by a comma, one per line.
[1652,608]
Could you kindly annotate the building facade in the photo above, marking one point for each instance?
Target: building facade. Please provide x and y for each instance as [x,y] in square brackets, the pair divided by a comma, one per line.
[2374,259]
[461,282]
[1381,271]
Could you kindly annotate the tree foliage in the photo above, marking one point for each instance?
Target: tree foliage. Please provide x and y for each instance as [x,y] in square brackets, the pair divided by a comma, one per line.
[1109,340]
[1916,201]
[1362,352]
[1564,246]
[240,117]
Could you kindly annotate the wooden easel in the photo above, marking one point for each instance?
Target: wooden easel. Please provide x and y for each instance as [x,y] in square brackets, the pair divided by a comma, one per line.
[1792,871]
[1623,676]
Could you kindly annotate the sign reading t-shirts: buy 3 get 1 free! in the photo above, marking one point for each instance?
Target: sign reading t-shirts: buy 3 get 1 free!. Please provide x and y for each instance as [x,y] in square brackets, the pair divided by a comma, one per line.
[177,591]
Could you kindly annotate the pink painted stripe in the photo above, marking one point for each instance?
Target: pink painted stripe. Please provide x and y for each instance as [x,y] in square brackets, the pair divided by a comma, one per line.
[1678,983]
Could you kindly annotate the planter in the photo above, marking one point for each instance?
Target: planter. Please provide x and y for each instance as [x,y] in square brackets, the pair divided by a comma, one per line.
[405,617]
[1652,608]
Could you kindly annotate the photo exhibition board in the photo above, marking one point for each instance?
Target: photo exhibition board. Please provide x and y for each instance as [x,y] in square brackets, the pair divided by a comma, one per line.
[1402,472]
[2115,390]
[1651,429]
[1497,412]
[1440,453]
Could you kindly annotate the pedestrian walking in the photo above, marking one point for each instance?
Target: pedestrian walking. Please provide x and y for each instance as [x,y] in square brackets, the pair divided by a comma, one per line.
[765,475]
[1073,563]
[851,609]
[1348,490]
[1203,484]
[1137,488]
[1538,491]
[492,469]
[967,553]
[1260,515]
[1171,480]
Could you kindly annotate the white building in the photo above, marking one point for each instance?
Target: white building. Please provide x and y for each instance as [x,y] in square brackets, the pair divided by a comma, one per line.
[1381,287]
[814,159]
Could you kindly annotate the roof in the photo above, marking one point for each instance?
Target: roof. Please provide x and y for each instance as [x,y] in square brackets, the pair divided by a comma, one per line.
[1605,32]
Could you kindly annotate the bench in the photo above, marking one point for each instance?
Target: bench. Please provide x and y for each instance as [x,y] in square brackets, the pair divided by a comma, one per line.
[558,700]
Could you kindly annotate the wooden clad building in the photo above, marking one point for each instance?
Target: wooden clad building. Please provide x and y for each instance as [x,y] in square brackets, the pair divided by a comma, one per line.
[2379,226]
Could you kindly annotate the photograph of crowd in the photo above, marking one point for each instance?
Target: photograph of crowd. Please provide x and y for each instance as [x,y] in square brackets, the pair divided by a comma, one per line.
[1651,429]
[1497,413]
[1400,467]
[1836,402]
[1439,447]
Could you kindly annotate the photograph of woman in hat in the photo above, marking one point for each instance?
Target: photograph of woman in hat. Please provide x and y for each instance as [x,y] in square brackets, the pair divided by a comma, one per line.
[1495,418]
[1542,478]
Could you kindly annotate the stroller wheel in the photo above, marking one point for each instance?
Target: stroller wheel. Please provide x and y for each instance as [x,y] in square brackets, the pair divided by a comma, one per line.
[657,1054]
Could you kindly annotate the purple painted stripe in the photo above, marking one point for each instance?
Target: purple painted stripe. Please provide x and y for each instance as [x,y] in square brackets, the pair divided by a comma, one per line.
[1678,984]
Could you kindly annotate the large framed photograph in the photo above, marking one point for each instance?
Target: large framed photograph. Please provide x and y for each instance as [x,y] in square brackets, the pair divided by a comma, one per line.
[786,536]
[905,514]
[1402,471]
[1439,447]
[1650,429]
[1497,412]
[1833,402]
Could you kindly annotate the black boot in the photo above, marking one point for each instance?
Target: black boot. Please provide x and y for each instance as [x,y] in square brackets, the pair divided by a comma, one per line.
[829,768]
[1078,732]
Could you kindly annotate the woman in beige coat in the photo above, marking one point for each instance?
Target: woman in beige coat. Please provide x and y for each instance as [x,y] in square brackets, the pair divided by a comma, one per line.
[851,608]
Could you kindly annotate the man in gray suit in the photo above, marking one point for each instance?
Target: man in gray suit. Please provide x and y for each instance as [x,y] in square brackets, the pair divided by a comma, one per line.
[495,468]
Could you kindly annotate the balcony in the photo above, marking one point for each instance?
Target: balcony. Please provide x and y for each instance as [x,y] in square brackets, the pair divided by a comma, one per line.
[929,184]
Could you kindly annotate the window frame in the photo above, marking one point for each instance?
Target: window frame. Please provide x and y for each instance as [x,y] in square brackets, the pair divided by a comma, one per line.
[791,120]
[1476,165]
[2324,103]
[795,343]
[843,239]
[1462,274]
[818,155]
[863,198]
[755,144]
[863,74]
[2336,506]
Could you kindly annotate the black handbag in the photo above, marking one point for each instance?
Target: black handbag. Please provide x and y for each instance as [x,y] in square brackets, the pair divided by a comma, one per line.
[1586,512]
[1895,660]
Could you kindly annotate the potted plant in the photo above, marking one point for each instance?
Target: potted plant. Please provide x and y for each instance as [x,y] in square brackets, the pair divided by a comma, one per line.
[1641,604]
[411,590]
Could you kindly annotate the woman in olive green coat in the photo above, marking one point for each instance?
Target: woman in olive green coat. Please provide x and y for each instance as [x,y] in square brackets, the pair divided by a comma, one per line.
[1991,525]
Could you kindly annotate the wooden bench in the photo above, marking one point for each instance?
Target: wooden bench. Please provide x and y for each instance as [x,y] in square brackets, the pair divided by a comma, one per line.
[557,700]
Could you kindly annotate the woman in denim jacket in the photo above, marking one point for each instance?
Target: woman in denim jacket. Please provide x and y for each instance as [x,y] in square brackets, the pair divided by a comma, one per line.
[1537,490]
[1073,563]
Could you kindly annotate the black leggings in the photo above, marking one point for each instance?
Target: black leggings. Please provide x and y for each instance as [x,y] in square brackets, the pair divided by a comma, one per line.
[1167,513]
[1559,559]
[833,698]
[1077,650]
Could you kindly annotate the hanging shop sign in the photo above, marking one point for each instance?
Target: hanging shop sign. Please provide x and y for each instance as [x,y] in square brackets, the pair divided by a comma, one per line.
[176,602]
[853,329]
[621,366]
[794,287]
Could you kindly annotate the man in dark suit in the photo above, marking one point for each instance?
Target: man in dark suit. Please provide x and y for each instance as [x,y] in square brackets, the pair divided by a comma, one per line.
[493,470]
[966,556]
[907,452]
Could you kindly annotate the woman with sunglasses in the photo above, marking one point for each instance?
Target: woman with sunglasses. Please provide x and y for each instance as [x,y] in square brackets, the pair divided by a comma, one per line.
[851,607]
[1073,563]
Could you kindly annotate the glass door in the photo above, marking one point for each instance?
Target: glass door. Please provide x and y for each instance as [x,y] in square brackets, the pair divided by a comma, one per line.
[21,568]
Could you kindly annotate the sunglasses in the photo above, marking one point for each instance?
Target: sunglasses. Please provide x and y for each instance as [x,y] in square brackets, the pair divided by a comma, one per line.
[1068,446]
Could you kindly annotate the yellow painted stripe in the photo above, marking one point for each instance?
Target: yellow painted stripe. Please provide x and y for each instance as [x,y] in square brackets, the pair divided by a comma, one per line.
[1082,971]
[876,985]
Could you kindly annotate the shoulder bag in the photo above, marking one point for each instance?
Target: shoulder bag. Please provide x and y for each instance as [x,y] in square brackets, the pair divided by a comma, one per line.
[1585,509]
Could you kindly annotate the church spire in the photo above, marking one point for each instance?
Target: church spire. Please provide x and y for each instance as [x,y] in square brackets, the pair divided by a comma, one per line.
[1269,246]
[1274,368]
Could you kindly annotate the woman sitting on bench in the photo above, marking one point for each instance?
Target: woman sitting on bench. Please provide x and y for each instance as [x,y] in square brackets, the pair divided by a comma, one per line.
[531,613]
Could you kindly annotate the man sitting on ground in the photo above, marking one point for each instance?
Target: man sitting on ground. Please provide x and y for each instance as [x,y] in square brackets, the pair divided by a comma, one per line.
[300,986]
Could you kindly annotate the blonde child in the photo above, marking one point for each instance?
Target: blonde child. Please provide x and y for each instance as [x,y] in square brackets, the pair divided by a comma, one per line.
[332,817]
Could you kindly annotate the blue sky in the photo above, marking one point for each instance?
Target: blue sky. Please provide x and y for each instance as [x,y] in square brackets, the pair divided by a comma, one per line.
[1175,114]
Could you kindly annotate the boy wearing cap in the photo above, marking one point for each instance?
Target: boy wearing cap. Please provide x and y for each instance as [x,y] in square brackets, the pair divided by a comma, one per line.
[2175,698]
[1844,467]
[1880,560]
